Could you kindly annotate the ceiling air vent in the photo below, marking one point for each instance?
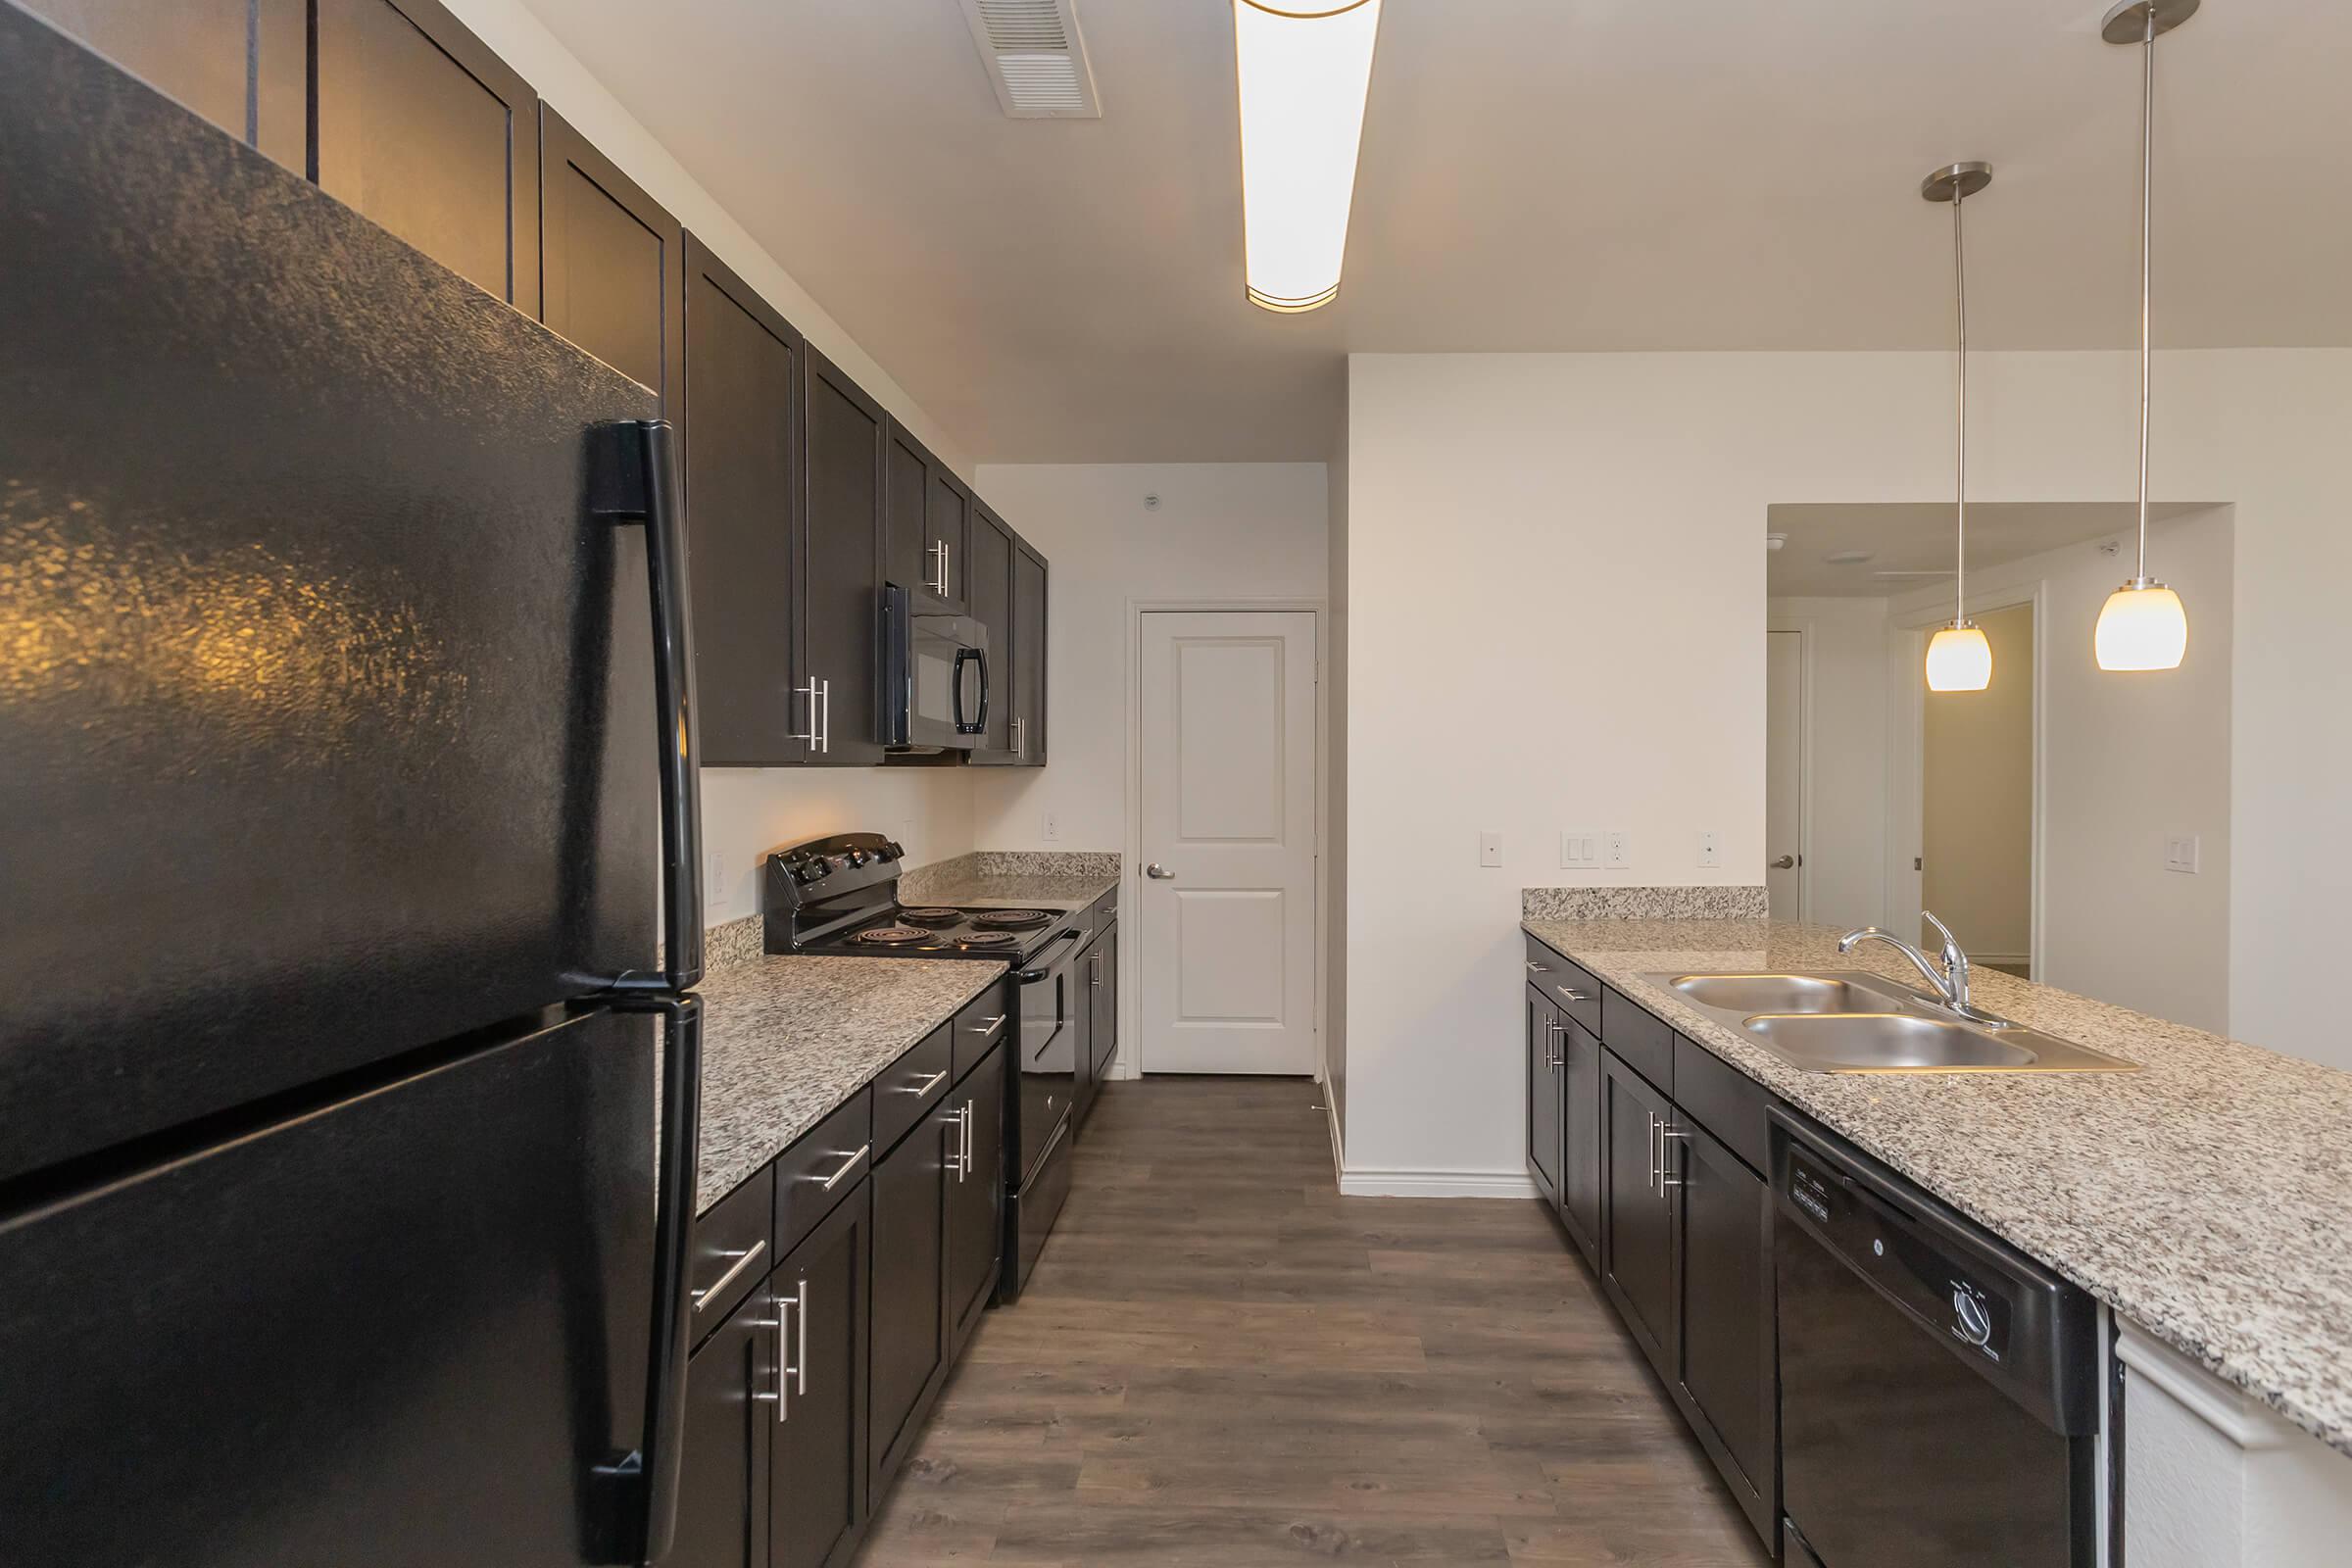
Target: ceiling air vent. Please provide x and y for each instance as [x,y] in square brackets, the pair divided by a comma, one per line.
[1035,58]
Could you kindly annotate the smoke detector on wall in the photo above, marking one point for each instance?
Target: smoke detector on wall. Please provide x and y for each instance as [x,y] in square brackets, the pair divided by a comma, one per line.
[1035,58]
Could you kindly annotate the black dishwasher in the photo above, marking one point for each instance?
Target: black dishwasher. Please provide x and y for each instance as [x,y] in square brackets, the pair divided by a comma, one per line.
[1939,1390]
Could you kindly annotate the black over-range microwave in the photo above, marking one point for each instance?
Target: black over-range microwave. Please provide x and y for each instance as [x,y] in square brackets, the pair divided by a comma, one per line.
[934,678]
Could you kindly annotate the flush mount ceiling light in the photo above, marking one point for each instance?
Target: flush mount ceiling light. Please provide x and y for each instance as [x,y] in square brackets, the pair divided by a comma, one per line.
[1959,659]
[2142,625]
[1303,71]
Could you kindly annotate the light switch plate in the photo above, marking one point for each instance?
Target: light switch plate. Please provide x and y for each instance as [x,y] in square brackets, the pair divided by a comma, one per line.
[1490,849]
[1053,828]
[1710,848]
[2180,852]
[1580,852]
[1620,851]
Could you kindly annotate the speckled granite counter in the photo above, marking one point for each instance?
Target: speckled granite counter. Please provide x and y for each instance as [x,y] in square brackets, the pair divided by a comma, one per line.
[785,1041]
[2208,1198]
[1059,879]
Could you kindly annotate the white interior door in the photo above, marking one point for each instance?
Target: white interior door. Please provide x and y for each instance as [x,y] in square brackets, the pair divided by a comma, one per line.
[1227,901]
[1785,773]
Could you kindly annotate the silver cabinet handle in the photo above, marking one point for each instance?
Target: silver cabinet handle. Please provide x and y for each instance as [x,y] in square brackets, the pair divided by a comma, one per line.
[964,1144]
[1098,980]
[923,1088]
[1537,968]
[815,734]
[848,1165]
[989,1033]
[800,1373]
[1158,872]
[743,1260]
[1572,993]
[826,744]
[1559,1047]
[945,571]
[955,1159]
[931,553]
[1653,1137]
[781,1398]
[1667,1178]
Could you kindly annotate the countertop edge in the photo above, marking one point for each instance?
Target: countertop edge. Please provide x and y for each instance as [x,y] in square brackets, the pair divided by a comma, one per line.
[1711,1036]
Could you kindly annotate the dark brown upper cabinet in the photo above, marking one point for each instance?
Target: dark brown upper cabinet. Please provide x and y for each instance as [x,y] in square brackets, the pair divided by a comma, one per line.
[416,124]
[743,378]
[841,566]
[987,600]
[244,65]
[923,543]
[1027,678]
[612,263]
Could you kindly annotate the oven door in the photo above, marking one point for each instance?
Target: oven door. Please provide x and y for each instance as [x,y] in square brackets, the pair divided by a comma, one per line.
[935,678]
[1048,1046]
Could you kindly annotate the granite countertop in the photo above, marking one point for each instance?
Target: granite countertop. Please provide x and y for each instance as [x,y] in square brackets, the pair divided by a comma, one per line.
[786,1040]
[1020,879]
[2206,1198]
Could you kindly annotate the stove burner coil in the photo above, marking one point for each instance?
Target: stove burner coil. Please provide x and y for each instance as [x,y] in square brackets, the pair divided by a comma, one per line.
[891,935]
[987,939]
[931,916]
[1010,920]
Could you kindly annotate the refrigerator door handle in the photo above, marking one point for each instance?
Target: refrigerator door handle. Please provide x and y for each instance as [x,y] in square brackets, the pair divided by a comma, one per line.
[655,1467]
[634,478]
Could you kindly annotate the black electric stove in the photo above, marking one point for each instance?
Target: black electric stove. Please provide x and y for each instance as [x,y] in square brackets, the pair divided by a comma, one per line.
[838,897]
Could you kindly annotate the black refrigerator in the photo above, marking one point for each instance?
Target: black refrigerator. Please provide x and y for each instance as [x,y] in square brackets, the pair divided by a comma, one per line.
[348,906]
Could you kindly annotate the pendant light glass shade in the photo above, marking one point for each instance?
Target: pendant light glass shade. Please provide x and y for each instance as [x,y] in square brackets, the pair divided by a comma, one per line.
[1959,659]
[2141,626]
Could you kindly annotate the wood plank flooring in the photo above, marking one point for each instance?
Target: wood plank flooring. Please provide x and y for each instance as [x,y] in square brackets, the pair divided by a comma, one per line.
[1222,1362]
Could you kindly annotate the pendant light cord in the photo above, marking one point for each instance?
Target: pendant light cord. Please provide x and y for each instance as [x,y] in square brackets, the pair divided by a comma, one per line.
[1960,453]
[2147,190]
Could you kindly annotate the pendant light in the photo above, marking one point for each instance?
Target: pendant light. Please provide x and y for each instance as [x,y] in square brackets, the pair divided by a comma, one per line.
[2142,625]
[1959,659]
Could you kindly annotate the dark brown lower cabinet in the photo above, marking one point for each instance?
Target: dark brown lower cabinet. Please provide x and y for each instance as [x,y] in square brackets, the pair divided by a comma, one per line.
[911,1298]
[1725,1358]
[820,1302]
[1544,1096]
[1579,1137]
[976,1198]
[1638,1222]
[722,1488]
[1102,990]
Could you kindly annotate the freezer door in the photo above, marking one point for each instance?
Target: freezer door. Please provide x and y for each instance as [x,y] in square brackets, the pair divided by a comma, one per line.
[327,703]
[403,1328]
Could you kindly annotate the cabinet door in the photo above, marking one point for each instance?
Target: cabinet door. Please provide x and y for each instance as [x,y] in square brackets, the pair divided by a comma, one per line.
[840,625]
[610,263]
[951,506]
[1544,1096]
[1725,1363]
[1104,981]
[244,65]
[1579,1137]
[822,1296]
[976,1196]
[1638,1212]
[907,559]
[419,126]
[1029,655]
[988,595]
[742,380]
[910,1296]
[731,1399]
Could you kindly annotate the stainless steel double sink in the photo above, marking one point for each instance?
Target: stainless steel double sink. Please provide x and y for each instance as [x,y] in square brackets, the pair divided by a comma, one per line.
[1849,1020]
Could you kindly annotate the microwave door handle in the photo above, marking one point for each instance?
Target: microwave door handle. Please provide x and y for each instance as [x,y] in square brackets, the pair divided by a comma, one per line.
[963,657]
[980,723]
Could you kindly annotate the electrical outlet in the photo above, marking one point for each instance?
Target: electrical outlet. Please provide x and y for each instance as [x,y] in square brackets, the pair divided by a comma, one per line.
[2180,852]
[1619,849]
[1580,852]
[1490,849]
[1710,848]
[715,877]
[1053,828]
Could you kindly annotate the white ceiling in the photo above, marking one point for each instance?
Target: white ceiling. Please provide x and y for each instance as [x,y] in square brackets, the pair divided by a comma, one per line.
[1537,175]
[1910,543]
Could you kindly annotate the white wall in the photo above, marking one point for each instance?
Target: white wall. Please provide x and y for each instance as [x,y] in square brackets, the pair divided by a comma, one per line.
[1238,531]
[747,810]
[1845,674]
[2127,761]
[1556,590]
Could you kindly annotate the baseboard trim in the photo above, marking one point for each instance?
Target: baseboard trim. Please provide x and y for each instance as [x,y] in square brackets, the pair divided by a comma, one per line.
[1339,1139]
[1435,1184]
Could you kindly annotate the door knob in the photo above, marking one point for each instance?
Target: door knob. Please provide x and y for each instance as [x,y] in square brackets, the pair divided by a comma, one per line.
[1158,872]
[1787,863]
